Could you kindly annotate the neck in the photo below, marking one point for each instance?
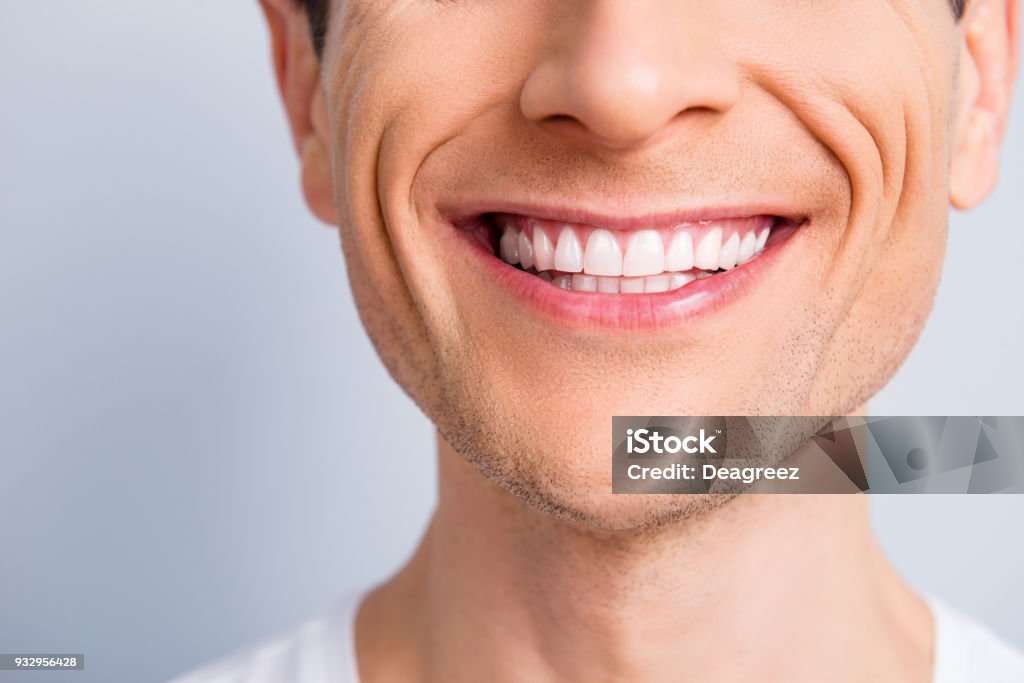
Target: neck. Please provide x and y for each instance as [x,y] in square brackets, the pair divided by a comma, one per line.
[768,587]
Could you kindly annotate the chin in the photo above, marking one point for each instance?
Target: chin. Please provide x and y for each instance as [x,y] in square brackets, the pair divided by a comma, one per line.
[605,512]
[571,479]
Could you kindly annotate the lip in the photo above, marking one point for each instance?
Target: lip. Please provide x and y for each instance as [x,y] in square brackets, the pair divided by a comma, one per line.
[581,311]
[616,217]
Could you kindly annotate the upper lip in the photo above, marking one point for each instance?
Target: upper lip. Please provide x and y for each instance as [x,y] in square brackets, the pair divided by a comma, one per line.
[620,216]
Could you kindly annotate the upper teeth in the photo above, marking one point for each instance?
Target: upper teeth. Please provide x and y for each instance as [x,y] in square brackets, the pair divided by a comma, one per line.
[650,255]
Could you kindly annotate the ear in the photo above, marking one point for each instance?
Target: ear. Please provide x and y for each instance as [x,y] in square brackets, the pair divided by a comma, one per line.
[988,68]
[297,68]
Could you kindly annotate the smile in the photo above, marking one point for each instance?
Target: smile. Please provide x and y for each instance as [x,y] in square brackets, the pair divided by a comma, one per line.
[583,258]
[588,270]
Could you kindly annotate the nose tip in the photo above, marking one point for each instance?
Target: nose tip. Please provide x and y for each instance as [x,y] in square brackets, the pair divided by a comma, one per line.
[622,107]
[622,76]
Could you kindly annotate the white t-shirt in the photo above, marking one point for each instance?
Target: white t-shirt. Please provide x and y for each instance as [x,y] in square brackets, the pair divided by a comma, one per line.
[323,651]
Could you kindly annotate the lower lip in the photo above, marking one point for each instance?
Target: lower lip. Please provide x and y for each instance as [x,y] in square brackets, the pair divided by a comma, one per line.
[590,310]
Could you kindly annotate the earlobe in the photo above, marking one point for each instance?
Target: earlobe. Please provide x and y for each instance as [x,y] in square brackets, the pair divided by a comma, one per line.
[315,158]
[316,179]
[975,167]
[987,70]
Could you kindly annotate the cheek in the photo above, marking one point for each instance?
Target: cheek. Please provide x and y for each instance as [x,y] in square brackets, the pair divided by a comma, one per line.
[409,77]
[878,95]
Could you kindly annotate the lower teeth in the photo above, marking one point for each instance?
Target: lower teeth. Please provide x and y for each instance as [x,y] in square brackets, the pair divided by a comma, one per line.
[651,284]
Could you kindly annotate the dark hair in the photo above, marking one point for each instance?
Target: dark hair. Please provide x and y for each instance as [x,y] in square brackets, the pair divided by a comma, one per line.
[316,10]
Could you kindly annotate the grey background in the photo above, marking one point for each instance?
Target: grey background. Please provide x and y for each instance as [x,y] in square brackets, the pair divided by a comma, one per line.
[199,447]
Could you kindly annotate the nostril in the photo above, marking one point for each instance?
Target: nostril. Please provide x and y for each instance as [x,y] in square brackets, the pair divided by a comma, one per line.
[560,118]
[564,125]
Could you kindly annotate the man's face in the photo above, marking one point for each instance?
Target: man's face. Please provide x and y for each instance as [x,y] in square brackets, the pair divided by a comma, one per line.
[663,142]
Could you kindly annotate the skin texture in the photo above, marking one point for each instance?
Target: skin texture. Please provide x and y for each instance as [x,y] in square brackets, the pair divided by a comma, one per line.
[867,133]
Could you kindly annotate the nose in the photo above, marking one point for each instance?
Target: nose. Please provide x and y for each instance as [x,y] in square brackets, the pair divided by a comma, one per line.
[620,73]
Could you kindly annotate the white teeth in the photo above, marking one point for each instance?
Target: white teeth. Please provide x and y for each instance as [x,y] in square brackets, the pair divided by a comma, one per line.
[730,252]
[709,251]
[543,251]
[679,256]
[648,267]
[747,248]
[645,254]
[525,250]
[678,280]
[762,238]
[657,283]
[632,285]
[651,284]
[563,281]
[603,256]
[568,253]
[510,246]
[584,283]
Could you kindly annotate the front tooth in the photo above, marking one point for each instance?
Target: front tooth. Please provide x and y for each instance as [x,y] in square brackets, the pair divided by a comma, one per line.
[608,285]
[747,247]
[656,283]
[584,283]
[568,253]
[632,285]
[510,246]
[680,280]
[525,249]
[645,254]
[730,252]
[679,256]
[545,276]
[709,251]
[603,256]
[543,251]
[761,239]
[563,281]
